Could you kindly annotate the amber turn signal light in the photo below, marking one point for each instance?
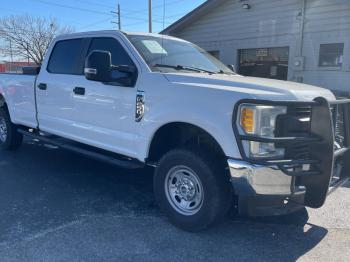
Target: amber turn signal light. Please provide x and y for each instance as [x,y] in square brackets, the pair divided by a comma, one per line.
[247,120]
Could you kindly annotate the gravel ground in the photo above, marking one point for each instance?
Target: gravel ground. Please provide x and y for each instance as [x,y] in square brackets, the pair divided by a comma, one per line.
[59,206]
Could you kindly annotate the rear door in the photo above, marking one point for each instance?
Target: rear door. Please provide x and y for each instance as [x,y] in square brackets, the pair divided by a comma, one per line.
[55,84]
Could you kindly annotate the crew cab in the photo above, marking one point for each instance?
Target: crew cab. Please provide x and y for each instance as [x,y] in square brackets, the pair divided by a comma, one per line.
[212,135]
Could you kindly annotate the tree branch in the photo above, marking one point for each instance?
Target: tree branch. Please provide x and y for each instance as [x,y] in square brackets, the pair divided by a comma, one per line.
[28,37]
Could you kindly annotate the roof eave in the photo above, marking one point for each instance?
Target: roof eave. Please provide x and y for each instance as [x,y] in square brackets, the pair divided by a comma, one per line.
[191,16]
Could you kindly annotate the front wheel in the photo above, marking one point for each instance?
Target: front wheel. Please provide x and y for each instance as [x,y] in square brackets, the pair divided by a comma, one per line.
[192,189]
[10,139]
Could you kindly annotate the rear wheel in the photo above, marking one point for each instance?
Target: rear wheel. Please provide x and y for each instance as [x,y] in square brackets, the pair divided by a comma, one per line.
[10,139]
[192,189]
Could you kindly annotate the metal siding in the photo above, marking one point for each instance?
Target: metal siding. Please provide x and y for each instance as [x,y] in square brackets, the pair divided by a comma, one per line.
[275,23]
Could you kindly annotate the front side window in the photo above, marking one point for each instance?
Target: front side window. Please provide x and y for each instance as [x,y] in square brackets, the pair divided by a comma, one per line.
[170,55]
[118,54]
[65,57]
[331,55]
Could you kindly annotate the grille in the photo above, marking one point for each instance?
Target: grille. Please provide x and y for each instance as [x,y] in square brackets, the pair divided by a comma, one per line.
[339,126]
[296,124]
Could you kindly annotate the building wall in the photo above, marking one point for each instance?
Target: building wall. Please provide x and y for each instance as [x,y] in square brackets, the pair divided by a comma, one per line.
[278,23]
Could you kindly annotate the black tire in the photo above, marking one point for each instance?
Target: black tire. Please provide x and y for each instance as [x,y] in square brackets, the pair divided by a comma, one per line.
[214,181]
[13,139]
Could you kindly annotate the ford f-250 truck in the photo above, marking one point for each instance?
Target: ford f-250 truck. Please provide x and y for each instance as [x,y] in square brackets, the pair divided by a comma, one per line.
[147,99]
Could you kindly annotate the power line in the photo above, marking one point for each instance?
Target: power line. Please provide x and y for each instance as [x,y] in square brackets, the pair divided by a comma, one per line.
[142,20]
[154,7]
[56,18]
[94,23]
[177,15]
[97,12]
[73,7]
[140,23]
[129,11]
[95,4]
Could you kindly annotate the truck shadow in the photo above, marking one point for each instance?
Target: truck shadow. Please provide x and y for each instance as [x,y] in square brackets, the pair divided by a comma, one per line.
[45,187]
[263,241]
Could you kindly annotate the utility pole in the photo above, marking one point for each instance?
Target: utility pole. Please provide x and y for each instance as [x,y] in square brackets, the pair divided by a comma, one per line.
[150,16]
[119,23]
[119,17]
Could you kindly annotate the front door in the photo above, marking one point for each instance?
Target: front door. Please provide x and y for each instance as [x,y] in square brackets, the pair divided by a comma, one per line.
[104,113]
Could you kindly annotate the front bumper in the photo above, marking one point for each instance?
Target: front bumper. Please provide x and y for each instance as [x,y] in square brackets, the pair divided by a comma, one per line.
[263,190]
[267,190]
[252,179]
[281,186]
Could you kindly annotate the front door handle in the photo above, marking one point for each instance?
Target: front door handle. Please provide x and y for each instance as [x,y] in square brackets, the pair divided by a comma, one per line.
[42,86]
[79,91]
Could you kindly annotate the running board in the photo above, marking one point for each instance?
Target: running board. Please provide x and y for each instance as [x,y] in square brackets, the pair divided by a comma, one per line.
[88,151]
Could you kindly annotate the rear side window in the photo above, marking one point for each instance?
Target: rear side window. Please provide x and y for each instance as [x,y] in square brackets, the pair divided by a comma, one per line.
[65,56]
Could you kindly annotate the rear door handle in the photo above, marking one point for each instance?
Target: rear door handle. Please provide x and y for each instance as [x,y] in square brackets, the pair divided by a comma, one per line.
[79,91]
[42,86]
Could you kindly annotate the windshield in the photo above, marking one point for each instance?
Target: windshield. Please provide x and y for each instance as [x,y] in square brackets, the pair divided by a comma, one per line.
[169,55]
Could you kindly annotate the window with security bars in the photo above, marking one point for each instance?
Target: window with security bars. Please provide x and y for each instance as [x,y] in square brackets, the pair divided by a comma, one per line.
[331,55]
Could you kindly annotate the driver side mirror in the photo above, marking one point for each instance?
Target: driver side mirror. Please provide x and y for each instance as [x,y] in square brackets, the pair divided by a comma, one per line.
[98,67]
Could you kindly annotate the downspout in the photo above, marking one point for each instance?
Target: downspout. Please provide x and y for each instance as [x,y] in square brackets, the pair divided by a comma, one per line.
[301,31]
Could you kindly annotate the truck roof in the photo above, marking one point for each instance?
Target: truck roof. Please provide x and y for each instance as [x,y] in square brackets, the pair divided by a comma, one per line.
[84,34]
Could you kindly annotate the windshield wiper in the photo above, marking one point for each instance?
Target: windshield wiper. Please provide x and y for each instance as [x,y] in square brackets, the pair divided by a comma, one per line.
[188,68]
[226,73]
[199,69]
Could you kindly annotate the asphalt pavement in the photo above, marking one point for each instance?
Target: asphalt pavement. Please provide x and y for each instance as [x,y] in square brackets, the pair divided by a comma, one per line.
[59,206]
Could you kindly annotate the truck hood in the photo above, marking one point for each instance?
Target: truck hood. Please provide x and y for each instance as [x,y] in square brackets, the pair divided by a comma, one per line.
[251,87]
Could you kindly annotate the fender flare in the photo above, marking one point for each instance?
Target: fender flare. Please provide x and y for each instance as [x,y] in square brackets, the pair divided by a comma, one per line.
[149,148]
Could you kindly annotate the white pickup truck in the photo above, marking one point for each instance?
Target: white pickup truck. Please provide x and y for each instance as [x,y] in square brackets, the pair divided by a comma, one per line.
[147,99]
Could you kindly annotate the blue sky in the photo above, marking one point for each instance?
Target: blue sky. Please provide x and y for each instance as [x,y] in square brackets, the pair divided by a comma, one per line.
[85,15]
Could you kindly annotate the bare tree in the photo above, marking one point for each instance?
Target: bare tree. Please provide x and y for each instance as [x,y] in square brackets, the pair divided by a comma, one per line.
[28,37]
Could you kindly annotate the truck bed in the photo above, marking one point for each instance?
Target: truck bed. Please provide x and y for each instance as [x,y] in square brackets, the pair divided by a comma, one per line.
[18,90]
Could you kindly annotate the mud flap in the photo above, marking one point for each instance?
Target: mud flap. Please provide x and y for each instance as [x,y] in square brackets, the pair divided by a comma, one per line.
[322,126]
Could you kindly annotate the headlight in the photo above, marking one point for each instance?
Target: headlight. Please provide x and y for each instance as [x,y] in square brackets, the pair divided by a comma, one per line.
[259,120]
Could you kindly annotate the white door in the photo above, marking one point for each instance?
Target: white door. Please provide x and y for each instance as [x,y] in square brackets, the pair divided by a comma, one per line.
[54,88]
[104,113]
